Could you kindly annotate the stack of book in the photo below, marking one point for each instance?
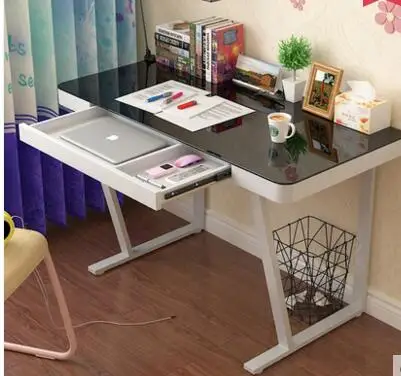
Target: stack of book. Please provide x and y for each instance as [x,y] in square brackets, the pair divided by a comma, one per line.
[207,49]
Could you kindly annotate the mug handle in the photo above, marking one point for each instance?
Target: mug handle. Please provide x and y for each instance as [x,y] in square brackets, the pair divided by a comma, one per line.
[293,130]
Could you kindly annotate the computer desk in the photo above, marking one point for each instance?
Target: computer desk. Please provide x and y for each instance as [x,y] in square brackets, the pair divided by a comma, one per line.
[243,153]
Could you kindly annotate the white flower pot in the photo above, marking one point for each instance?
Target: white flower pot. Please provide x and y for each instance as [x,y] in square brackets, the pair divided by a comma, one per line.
[293,90]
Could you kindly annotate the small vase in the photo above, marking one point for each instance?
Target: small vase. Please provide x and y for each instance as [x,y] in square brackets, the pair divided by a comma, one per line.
[293,90]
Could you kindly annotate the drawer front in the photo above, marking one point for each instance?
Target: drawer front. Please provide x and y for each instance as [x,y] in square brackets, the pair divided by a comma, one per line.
[45,136]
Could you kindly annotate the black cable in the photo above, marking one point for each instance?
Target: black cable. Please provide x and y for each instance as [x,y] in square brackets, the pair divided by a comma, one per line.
[149,57]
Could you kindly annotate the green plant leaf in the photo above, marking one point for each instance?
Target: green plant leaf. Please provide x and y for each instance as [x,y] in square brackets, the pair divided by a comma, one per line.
[295,53]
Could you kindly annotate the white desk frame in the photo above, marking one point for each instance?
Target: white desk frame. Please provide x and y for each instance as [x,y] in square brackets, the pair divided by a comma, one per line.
[263,189]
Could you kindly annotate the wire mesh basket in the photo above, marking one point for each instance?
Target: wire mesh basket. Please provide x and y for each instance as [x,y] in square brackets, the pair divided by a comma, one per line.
[314,257]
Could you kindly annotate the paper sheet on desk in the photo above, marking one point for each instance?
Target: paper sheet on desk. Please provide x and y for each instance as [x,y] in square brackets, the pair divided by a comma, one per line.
[220,113]
[203,104]
[138,99]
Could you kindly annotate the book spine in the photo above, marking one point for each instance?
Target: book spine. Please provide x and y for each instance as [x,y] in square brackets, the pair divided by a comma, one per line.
[204,52]
[198,57]
[174,42]
[214,48]
[192,48]
[208,65]
[226,55]
[175,50]
[176,62]
[172,34]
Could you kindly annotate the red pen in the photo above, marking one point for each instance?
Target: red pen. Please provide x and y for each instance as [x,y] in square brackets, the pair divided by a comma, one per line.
[187,105]
[173,97]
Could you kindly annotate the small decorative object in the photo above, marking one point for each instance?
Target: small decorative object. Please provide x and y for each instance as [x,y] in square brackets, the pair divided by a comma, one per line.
[298,4]
[389,15]
[294,54]
[323,86]
[279,125]
[360,109]
[320,137]
[257,75]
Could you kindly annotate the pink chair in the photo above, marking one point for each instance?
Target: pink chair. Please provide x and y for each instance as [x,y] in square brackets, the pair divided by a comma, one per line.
[22,254]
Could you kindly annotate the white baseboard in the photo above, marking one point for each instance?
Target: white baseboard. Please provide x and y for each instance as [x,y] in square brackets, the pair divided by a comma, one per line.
[379,305]
[384,308]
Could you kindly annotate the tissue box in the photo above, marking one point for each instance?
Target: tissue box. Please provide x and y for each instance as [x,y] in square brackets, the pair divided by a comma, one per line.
[364,115]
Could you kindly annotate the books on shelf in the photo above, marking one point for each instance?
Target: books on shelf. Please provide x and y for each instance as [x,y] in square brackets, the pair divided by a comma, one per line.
[178,30]
[207,49]
[195,47]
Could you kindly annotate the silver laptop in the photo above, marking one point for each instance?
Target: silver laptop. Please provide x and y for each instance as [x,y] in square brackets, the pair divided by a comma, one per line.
[113,140]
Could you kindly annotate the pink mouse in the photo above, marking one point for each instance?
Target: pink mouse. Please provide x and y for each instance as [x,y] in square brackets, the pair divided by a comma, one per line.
[187,160]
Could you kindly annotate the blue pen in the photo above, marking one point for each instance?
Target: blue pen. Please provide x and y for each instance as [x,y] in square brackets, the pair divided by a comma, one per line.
[160,96]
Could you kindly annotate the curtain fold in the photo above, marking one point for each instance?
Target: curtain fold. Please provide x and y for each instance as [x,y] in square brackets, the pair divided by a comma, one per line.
[48,42]
[22,73]
[44,64]
[67,69]
[12,182]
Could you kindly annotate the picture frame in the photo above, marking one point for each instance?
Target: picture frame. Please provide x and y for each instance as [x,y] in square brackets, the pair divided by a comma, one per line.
[323,86]
[320,135]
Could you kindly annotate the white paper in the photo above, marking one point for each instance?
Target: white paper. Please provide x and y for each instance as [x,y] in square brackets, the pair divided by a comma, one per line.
[138,99]
[221,113]
[203,104]
[363,89]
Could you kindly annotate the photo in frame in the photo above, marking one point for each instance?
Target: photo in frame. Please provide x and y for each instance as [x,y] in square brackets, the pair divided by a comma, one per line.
[323,86]
[320,137]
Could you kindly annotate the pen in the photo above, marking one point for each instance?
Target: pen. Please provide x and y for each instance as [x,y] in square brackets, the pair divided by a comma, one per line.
[161,186]
[187,105]
[160,96]
[173,97]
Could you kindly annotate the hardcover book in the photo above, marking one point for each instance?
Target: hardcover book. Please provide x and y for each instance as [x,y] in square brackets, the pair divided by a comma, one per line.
[227,45]
[192,37]
[175,50]
[173,42]
[206,45]
[172,60]
[199,47]
[177,30]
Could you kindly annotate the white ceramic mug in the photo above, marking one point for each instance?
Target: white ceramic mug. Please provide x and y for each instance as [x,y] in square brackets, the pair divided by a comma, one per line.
[279,125]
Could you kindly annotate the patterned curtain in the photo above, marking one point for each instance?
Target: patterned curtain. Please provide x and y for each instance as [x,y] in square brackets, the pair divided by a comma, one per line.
[48,42]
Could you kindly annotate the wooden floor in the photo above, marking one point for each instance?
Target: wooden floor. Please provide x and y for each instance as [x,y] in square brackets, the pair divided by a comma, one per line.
[217,292]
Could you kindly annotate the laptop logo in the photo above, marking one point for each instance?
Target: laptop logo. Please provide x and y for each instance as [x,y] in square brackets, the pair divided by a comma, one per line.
[112,137]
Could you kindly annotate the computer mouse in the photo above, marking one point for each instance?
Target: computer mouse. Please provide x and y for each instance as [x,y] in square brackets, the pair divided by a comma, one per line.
[187,160]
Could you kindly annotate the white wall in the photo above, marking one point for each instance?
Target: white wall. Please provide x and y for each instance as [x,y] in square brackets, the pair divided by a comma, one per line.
[343,34]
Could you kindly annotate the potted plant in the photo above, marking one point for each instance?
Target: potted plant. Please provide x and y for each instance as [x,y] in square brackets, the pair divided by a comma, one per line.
[294,54]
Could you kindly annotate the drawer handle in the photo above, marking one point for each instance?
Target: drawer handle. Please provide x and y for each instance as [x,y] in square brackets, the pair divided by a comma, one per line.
[190,187]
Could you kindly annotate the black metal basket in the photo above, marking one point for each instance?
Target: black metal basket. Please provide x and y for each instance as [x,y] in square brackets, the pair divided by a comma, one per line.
[314,257]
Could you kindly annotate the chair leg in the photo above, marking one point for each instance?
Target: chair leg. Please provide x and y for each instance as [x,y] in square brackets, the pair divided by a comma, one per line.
[49,354]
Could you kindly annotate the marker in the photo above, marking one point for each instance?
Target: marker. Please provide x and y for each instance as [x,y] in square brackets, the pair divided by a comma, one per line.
[173,97]
[187,105]
[160,96]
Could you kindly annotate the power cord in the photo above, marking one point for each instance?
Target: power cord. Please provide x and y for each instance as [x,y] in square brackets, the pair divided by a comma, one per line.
[93,322]
[149,57]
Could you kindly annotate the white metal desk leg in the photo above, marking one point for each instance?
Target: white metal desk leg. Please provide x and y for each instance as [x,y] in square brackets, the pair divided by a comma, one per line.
[127,252]
[198,203]
[276,293]
[124,242]
[364,238]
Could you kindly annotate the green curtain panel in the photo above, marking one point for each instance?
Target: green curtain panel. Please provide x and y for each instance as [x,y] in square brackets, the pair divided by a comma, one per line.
[48,42]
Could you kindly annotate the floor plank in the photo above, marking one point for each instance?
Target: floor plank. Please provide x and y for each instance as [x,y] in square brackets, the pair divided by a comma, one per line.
[216,291]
